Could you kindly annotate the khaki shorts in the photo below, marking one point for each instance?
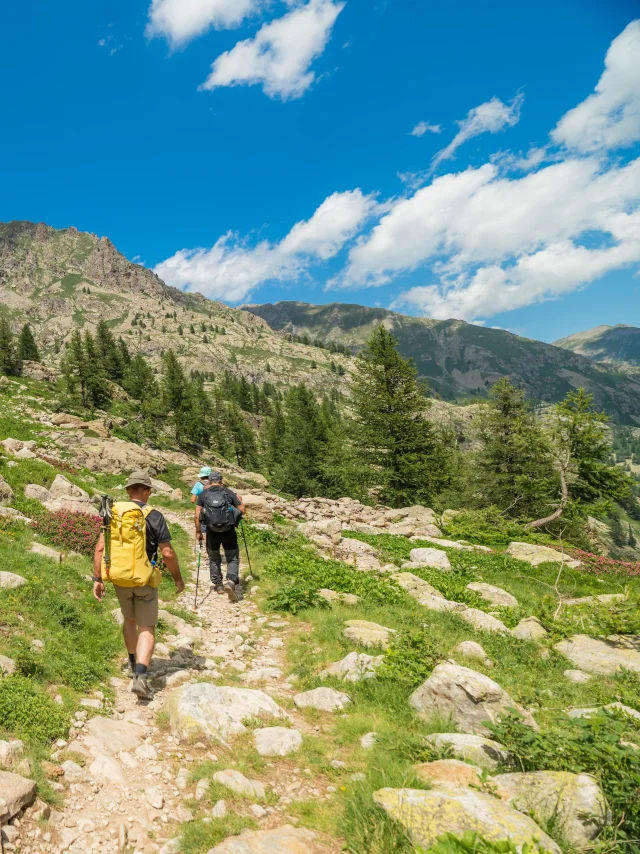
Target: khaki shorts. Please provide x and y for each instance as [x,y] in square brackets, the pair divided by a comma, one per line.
[139,604]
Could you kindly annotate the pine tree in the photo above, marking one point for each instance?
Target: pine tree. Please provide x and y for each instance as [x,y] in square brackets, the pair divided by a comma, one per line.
[139,380]
[406,458]
[631,539]
[618,535]
[75,370]
[274,440]
[175,393]
[242,440]
[98,389]
[9,362]
[27,347]
[514,469]
[109,353]
[304,444]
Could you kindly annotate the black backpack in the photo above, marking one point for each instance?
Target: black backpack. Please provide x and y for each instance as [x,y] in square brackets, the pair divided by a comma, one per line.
[217,511]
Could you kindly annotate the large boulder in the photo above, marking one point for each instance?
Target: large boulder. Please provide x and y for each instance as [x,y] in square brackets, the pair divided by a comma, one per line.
[535,555]
[361,555]
[66,421]
[16,792]
[12,446]
[36,371]
[414,528]
[280,840]
[37,492]
[107,736]
[329,528]
[216,712]
[46,551]
[428,815]
[416,587]
[471,699]
[495,595]
[605,655]
[481,620]
[430,557]
[367,634]
[475,749]
[574,802]
[111,456]
[63,488]
[354,667]
[258,510]
[6,493]
[451,771]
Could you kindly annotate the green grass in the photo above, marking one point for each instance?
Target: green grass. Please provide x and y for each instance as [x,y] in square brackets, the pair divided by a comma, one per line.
[532,673]
[198,837]
[70,282]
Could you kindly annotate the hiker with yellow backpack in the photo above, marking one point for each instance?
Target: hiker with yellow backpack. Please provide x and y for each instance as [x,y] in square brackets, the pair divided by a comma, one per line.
[126,556]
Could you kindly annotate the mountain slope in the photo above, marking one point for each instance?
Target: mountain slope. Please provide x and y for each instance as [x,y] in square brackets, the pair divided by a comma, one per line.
[614,345]
[462,360]
[59,279]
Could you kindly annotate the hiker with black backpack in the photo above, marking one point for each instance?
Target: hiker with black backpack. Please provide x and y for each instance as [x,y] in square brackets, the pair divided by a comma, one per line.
[218,512]
[126,556]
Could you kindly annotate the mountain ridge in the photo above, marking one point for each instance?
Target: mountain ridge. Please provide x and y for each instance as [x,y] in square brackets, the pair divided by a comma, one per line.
[460,360]
[618,346]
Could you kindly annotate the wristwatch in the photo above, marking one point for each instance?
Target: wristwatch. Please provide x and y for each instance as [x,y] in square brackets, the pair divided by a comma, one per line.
[97,580]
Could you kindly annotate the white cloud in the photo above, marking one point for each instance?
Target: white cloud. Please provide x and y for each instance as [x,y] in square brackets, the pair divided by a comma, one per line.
[490,117]
[280,55]
[182,20]
[610,117]
[424,127]
[232,268]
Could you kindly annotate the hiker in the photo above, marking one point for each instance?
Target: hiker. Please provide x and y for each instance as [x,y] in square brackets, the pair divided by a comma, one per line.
[201,484]
[137,533]
[218,512]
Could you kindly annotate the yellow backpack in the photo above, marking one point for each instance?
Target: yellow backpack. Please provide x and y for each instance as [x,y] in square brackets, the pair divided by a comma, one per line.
[129,564]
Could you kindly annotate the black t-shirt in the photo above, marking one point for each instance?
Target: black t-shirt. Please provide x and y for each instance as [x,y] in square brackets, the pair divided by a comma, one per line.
[233,498]
[157,531]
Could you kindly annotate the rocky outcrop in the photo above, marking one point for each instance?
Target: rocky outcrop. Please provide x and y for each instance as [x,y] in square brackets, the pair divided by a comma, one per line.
[607,656]
[574,802]
[428,815]
[495,595]
[471,699]
[208,711]
[430,557]
[535,555]
[16,792]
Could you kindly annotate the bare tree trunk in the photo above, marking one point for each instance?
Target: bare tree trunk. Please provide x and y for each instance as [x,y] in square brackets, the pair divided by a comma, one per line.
[560,509]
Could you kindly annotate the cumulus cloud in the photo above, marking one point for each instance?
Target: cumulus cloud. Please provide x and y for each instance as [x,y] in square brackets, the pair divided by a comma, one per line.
[424,127]
[232,268]
[280,55]
[179,21]
[610,117]
[490,117]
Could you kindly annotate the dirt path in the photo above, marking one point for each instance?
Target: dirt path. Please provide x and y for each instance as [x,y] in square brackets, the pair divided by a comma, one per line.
[124,779]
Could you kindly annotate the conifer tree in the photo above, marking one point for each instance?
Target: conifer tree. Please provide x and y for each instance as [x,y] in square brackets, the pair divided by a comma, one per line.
[75,370]
[139,380]
[109,353]
[407,460]
[175,393]
[242,440]
[631,539]
[27,347]
[98,389]
[274,440]
[305,442]
[514,469]
[9,362]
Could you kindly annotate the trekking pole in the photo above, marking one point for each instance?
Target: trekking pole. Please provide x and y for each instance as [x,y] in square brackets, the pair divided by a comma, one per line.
[195,601]
[105,513]
[244,537]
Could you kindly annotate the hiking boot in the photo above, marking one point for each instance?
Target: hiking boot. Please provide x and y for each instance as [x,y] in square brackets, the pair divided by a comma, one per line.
[230,590]
[141,687]
[219,588]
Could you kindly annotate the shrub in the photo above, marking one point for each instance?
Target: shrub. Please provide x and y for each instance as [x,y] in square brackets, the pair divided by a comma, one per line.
[592,745]
[490,528]
[27,711]
[293,597]
[410,659]
[75,532]
[471,843]
[601,565]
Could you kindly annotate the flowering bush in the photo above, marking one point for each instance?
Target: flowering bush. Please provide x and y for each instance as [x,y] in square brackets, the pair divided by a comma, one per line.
[600,564]
[74,532]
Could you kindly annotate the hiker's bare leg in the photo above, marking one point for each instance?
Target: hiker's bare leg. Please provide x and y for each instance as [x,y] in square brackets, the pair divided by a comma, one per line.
[146,644]
[130,632]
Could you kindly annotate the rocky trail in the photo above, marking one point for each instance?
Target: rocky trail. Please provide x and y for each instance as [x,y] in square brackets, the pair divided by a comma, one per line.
[127,782]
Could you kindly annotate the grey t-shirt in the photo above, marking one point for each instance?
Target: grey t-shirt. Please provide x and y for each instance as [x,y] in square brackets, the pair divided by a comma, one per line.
[157,531]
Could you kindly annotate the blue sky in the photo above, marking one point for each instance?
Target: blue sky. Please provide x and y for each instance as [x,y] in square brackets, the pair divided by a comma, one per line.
[258,150]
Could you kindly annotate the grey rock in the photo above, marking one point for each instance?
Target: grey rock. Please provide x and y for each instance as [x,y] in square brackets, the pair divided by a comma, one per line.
[529,628]
[606,656]
[6,493]
[238,783]
[38,493]
[9,581]
[342,598]
[280,840]
[354,667]
[430,557]
[16,792]
[482,621]
[7,665]
[276,741]
[578,676]
[218,712]
[495,595]
[575,802]
[469,698]
[324,699]
[367,633]
[475,749]
[368,741]
[473,650]
[46,551]
[535,555]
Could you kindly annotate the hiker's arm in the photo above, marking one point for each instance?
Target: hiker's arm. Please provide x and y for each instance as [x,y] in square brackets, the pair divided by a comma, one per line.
[241,506]
[194,498]
[170,560]
[199,534]
[98,586]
